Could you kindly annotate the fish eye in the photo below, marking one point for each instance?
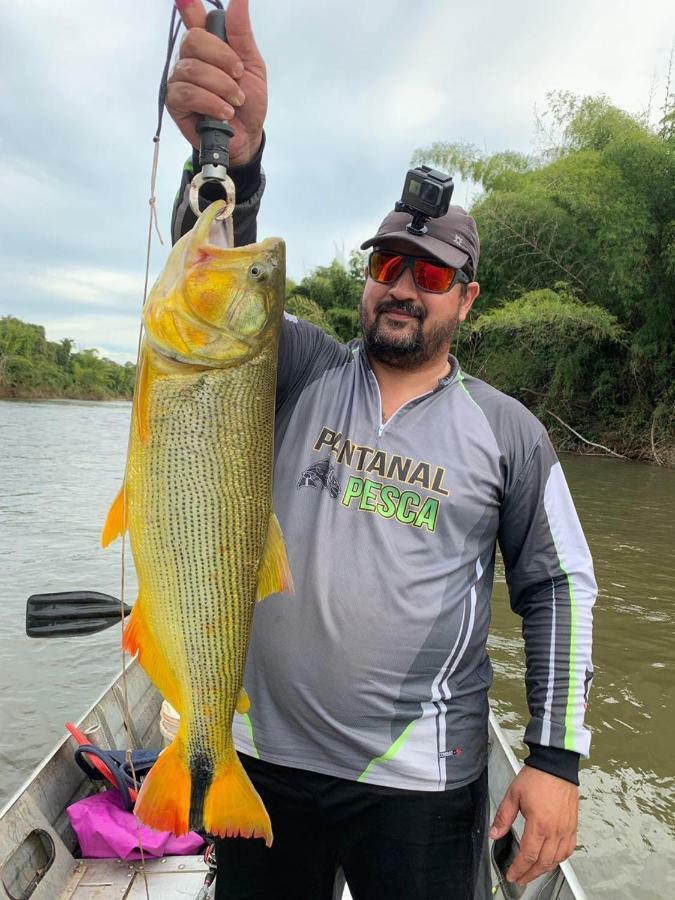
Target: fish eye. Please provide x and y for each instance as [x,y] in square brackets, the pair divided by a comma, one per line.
[256,272]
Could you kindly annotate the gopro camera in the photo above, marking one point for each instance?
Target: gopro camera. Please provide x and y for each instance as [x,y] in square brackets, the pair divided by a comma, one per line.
[426,195]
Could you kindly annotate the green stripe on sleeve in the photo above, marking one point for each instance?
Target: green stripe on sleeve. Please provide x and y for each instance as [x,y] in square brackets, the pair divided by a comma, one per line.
[572,684]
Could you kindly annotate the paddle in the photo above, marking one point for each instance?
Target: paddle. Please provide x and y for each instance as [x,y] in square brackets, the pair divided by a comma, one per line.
[71,613]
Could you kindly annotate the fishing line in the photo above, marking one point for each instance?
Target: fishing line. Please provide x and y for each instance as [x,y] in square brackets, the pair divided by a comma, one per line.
[174,29]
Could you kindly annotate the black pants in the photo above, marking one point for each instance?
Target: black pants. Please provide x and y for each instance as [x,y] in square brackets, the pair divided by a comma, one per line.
[392,844]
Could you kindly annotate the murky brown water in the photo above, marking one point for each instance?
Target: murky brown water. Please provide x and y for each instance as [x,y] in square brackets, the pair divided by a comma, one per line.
[61,464]
[627,826]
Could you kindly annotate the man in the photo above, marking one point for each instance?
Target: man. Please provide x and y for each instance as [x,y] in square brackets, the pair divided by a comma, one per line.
[395,475]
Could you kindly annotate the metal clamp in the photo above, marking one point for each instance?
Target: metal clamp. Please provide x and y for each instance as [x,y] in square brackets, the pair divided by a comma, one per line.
[224,189]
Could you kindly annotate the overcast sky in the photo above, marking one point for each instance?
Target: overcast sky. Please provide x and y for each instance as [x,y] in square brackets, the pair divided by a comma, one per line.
[355,87]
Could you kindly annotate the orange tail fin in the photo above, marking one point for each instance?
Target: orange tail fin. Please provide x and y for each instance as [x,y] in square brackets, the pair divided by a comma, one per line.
[164,799]
[232,806]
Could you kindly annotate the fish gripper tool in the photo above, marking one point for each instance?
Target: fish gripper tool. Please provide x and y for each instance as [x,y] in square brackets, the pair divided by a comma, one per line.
[212,181]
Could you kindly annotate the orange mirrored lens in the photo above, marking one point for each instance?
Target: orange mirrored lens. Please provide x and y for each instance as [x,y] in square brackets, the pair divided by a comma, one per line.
[431,277]
[386,267]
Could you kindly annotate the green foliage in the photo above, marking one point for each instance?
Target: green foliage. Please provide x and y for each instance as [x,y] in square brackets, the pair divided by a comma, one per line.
[330,296]
[30,365]
[555,353]
[470,164]
[306,308]
[331,286]
[345,322]
[595,209]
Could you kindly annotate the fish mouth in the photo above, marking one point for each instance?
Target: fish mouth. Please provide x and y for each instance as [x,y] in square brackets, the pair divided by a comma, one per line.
[173,356]
[218,235]
[190,359]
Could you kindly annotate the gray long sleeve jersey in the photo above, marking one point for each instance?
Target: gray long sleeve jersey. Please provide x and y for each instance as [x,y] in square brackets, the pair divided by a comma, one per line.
[376,668]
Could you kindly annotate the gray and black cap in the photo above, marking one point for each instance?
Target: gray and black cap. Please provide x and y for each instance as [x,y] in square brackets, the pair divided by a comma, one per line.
[452,238]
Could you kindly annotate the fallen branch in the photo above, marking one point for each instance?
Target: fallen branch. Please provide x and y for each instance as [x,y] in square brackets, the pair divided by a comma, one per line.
[582,438]
[651,436]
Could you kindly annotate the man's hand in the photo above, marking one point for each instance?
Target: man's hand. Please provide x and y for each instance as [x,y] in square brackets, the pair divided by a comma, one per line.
[550,806]
[222,80]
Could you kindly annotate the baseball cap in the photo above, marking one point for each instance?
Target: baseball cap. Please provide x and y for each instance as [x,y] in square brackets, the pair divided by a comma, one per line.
[452,238]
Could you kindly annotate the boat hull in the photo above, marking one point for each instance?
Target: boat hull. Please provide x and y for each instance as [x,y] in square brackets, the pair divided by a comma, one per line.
[38,847]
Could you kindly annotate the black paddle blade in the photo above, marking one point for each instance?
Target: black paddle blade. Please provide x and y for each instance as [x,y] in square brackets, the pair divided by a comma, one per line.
[71,613]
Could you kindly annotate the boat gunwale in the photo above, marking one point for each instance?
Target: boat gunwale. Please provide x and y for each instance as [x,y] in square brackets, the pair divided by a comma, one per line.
[47,759]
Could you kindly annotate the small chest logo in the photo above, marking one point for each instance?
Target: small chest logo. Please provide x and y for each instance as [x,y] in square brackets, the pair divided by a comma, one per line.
[321,476]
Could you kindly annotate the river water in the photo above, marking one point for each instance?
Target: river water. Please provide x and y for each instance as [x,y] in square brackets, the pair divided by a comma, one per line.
[60,466]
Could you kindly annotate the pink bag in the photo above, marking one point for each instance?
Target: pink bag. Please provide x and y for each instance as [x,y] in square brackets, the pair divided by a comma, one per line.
[105,830]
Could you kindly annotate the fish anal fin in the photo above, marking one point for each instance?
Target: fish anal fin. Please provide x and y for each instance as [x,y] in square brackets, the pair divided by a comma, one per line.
[233,807]
[164,799]
[116,521]
[137,637]
[243,702]
[274,574]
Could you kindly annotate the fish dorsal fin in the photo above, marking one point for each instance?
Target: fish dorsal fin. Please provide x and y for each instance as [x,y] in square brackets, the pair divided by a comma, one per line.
[274,574]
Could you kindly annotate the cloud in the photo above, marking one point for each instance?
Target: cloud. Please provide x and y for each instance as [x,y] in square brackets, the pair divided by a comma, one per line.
[88,287]
[351,97]
[114,336]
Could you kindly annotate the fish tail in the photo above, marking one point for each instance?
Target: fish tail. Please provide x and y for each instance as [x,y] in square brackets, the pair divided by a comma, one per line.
[232,806]
[164,799]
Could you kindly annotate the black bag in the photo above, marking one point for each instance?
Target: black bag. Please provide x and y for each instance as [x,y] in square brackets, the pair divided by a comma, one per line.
[120,769]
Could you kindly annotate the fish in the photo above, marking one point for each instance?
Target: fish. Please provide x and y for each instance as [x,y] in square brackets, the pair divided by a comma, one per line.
[197,503]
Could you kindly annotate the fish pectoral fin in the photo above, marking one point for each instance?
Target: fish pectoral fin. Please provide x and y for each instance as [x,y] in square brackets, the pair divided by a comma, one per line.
[233,807]
[116,521]
[243,702]
[137,637]
[274,574]
[164,798]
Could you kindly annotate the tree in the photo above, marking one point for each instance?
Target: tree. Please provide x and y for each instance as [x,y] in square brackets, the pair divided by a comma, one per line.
[30,365]
[307,309]
[595,209]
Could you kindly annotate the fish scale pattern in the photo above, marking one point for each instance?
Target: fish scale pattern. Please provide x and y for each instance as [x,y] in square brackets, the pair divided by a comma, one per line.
[200,501]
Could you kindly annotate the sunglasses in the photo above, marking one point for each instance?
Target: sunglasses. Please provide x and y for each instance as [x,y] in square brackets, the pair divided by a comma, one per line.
[386,267]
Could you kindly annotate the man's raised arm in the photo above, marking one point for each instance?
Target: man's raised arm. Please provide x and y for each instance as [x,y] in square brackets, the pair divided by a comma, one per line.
[549,572]
[225,81]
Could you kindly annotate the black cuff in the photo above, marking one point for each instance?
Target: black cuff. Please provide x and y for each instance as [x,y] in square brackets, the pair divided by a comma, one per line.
[555,761]
[246,178]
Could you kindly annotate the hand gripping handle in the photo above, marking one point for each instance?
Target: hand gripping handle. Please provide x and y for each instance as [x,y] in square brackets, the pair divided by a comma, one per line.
[215,133]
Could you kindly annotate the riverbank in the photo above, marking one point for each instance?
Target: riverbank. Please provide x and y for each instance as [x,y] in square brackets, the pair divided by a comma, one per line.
[33,368]
[645,450]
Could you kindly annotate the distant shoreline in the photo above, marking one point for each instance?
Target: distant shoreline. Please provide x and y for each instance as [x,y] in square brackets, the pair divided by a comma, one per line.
[642,454]
[37,394]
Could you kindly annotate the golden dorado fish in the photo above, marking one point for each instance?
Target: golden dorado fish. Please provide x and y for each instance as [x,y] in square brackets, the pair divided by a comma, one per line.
[197,500]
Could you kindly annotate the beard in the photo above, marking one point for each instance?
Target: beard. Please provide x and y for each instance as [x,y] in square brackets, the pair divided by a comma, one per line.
[402,346]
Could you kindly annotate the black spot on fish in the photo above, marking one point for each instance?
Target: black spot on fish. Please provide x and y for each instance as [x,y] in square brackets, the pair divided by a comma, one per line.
[201,771]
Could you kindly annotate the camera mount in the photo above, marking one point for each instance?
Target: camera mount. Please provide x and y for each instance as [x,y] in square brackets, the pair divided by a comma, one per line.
[426,195]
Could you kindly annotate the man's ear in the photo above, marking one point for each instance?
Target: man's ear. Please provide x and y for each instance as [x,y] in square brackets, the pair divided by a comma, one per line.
[468,299]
